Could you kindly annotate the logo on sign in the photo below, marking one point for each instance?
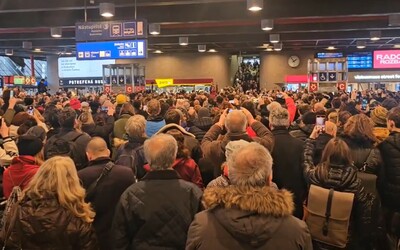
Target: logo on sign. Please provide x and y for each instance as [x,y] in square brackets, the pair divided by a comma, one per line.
[313,86]
[323,76]
[386,59]
[116,30]
[107,89]
[342,85]
[128,89]
[332,76]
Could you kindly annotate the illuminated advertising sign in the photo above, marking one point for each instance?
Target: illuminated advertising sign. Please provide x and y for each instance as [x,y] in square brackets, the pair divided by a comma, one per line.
[387,59]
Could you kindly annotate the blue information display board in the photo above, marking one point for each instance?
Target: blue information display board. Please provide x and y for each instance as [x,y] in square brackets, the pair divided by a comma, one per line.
[329,55]
[132,49]
[110,30]
[360,60]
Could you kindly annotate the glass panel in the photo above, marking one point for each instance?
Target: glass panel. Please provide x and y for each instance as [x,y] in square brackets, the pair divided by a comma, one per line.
[331,66]
[322,66]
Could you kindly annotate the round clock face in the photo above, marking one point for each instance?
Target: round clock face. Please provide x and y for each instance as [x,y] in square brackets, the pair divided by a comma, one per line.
[294,61]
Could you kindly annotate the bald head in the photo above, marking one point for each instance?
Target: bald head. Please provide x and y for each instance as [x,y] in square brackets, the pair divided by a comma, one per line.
[97,148]
[236,121]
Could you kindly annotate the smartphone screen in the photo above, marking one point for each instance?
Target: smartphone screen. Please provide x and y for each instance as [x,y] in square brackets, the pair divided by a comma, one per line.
[11,93]
[364,104]
[320,121]
[30,110]
[232,101]
[105,109]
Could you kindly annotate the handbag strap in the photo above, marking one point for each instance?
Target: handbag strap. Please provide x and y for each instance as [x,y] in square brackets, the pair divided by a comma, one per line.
[6,231]
[325,228]
[365,163]
[106,170]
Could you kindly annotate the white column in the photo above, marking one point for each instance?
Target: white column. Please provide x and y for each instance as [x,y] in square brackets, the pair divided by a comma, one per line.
[52,74]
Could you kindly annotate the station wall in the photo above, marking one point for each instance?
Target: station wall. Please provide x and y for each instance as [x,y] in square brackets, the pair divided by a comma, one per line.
[274,66]
[187,66]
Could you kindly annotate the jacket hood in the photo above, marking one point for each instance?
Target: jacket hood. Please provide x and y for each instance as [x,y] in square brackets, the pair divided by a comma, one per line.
[250,214]
[204,123]
[23,160]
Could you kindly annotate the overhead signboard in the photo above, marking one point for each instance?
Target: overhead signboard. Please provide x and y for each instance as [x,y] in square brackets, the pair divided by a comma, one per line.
[82,81]
[360,60]
[69,67]
[129,49]
[110,30]
[373,76]
[387,59]
[162,83]
[329,55]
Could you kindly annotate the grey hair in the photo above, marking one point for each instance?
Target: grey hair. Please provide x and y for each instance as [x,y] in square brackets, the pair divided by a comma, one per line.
[250,166]
[135,126]
[160,151]
[236,121]
[279,117]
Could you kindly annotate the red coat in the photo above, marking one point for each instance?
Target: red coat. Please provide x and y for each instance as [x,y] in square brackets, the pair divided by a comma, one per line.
[291,107]
[187,170]
[19,173]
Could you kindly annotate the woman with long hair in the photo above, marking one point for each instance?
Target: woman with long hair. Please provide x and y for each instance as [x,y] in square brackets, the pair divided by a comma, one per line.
[336,171]
[359,136]
[52,213]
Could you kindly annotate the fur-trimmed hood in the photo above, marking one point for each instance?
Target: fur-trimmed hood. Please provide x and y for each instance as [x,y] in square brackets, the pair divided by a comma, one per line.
[250,215]
[262,200]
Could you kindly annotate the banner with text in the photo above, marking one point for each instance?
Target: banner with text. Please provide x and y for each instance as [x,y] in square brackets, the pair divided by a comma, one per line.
[387,59]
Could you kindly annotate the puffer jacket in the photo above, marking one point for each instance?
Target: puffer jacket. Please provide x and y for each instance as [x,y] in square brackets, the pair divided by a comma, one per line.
[344,179]
[364,153]
[247,218]
[200,127]
[44,224]
[156,212]
[390,181]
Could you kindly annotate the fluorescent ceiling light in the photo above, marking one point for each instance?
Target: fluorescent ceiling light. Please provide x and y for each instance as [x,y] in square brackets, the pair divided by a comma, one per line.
[202,48]
[212,50]
[278,46]
[107,9]
[56,32]
[361,44]
[331,48]
[184,41]
[267,24]
[375,35]
[158,51]
[9,52]
[270,49]
[274,38]
[255,5]
[154,29]
[37,50]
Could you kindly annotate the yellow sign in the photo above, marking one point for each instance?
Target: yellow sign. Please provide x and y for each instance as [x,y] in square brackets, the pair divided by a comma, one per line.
[162,83]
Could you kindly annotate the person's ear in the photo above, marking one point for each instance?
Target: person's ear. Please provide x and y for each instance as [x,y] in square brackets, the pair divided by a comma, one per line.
[269,180]
[88,155]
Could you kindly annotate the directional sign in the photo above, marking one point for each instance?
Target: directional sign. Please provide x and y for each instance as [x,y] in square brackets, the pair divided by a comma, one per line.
[341,86]
[313,87]
[110,30]
[107,89]
[332,76]
[129,49]
[323,77]
[128,89]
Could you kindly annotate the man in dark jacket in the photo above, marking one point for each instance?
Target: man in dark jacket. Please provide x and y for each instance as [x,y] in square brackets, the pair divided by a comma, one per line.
[156,212]
[105,196]
[131,154]
[202,124]
[248,214]
[287,155]
[68,141]
[305,127]
[235,123]
[389,180]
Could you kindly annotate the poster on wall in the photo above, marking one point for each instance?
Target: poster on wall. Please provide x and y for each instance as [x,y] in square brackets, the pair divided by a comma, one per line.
[387,59]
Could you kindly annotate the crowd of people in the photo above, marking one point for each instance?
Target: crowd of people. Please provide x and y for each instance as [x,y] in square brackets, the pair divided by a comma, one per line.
[194,171]
[247,76]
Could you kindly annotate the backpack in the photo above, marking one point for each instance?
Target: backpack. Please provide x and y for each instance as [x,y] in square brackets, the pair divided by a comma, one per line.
[15,197]
[128,157]
[328,215]
[59,145]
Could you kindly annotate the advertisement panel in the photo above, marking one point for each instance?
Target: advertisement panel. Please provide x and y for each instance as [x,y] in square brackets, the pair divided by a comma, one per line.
[110,30]
[69,67]
[130,49]
[387,59]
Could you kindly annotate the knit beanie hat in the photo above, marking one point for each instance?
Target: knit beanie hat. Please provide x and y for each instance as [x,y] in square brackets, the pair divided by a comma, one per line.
[37,131]
[75,104]
[378,115]
[29,145]
[203,112]
[121,99]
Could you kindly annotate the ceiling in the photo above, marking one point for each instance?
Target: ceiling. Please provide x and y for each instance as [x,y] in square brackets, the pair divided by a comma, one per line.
[224,25]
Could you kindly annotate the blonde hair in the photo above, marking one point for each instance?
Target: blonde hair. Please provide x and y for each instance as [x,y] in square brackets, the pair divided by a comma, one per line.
[58,177]
[86,118]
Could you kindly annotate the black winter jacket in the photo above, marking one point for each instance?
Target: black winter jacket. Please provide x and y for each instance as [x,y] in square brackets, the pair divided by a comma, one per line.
[102,131]
[106,195]
[343,179]
[303,132]
[44,224]
[365,153]
[156,212]
[390,182]
[200,127]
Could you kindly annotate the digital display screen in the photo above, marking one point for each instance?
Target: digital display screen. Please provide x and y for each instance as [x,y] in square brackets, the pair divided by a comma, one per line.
[69,67]
[329,55]
[387,59]
[132,49]
[360,60]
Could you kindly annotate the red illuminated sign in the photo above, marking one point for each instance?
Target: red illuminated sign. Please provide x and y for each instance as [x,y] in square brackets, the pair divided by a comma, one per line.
[128,89]
[107,89]
[313,87]
[341,85]
[387,59]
